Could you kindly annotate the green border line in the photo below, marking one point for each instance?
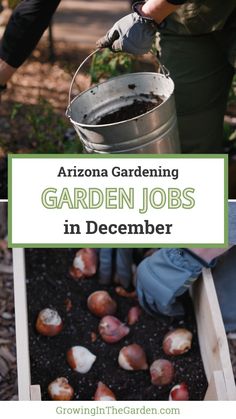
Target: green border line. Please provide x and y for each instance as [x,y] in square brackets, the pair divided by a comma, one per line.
[9,218]
[115,246]
[116,156]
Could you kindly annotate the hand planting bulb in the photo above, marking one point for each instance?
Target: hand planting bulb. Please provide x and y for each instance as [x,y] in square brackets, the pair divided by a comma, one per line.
[112,330]
[103,393]
[84,263]
[179,392]
[132,357]
[60,389]
[101,304]
[80,359]
[177,342]
[48,322]
[162,372]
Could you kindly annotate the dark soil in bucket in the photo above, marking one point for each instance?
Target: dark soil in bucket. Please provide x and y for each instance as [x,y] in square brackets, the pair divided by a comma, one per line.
[137,108]
[50,285]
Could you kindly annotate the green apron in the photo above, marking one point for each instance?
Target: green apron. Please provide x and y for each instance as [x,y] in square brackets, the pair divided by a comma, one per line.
[200,17]
[198,46]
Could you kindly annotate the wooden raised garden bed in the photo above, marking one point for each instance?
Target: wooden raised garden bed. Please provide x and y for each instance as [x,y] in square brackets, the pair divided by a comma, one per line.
[219,380]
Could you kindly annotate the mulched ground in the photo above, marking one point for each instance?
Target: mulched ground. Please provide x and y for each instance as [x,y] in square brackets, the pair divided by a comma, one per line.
[8,375]
[36,81]
[3,178]
[49,285]
[32,111]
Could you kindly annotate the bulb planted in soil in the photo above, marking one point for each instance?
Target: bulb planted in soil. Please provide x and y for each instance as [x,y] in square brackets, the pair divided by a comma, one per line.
[93,336]
[103,393]
[80,359]
[177,342]
[68,304]
[134,315]
[60,389]
[132,357]
[48,322]
[179,392]
[101,304]
[162,372]
[112,330]
[84,264]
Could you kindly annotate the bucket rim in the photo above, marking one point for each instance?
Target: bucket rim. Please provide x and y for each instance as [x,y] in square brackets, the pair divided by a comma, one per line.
[147,73]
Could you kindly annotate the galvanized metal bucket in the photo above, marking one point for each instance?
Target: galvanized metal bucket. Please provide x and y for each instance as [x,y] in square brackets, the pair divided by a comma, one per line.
[152,132]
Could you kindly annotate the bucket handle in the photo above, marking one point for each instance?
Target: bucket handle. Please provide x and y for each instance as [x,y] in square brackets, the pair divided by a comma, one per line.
[163,68]
[164,71]
[74,77]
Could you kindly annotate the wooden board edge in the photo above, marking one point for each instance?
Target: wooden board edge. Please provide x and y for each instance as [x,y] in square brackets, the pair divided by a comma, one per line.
[205,286]
[35,392]
[216,389]
[21,324]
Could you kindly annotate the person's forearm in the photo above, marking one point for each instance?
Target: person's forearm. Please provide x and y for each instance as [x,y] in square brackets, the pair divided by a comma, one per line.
[24,30]
[209,254]
[158,10]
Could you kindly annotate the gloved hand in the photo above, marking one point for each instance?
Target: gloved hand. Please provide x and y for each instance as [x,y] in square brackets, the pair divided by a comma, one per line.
[133,34]
[165,275]
[115,263]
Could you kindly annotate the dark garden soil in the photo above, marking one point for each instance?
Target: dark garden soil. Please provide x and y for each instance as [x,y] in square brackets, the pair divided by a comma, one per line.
[49,285]
[8,378]
[137,108]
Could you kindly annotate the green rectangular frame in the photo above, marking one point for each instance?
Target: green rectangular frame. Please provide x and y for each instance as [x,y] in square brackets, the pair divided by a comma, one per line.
[114,156]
